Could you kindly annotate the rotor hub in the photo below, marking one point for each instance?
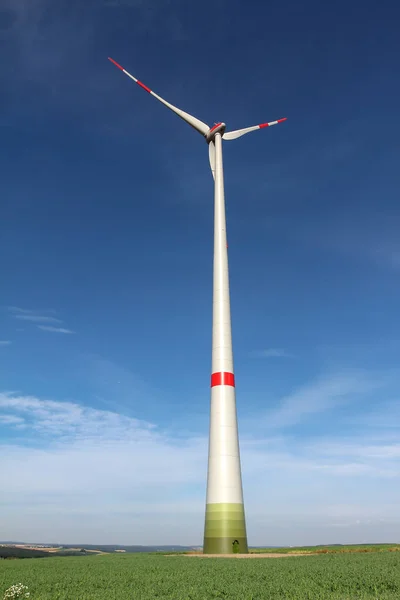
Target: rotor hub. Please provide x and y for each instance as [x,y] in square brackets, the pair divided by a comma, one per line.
[217,128]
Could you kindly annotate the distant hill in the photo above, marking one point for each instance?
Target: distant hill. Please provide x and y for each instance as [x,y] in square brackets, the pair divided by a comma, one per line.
[119,548]
[34,550]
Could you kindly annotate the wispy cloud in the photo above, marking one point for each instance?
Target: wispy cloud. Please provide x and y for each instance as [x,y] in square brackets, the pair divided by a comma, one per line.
[28,311]
[54,329]
[36,316]
[272,353]
[39,316]
[74,457]
[5,342]
[383,416]
[323,395]
[11,420]
[114,386]
[371,238]
[70,420]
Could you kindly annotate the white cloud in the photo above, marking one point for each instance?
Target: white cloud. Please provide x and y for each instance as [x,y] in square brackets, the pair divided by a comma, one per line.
[366,450]
[385,415]
[115,386]
[11,420]
[321,396]
[71,420]
[273,353]
[5,342]
[146,485]
[27,311]
[32,315]
[55,329]
[39,316]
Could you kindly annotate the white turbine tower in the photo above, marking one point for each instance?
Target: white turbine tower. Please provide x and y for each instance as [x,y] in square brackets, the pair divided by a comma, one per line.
[225,525]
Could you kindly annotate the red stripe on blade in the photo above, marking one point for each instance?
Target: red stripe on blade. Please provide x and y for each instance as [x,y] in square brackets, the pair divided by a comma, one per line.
[144,86]
[281,120]
[222,379]
[116,64]
[263,125]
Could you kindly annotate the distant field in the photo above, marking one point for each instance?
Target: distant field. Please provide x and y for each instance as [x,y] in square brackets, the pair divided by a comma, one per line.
[330,549]
[341,576]
[10,552]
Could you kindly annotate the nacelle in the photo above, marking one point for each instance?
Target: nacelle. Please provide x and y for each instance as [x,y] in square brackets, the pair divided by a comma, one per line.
[218,128]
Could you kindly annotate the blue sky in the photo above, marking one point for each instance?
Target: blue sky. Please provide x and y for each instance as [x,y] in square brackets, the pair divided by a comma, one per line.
[106,245]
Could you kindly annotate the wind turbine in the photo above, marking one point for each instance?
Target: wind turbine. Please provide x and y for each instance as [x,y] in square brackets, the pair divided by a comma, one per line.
[225,524]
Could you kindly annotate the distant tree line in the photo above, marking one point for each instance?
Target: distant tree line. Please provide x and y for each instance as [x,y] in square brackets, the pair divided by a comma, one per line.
[9,552]
[12,552]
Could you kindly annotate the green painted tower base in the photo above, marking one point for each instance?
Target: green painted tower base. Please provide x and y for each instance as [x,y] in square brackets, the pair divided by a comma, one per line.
[225,529]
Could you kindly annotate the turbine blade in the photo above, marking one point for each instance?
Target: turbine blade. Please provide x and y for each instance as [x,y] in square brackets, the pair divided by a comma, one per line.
[195,123]
[232,135]
[211,155]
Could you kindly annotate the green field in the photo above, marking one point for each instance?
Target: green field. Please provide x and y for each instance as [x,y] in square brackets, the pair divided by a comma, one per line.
[148,577]
[330,549]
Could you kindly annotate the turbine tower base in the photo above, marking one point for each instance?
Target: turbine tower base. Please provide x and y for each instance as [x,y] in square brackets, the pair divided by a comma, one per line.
[225,529]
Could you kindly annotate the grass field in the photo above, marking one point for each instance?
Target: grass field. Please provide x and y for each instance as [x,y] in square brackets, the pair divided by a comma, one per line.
[148,577]
[330,549]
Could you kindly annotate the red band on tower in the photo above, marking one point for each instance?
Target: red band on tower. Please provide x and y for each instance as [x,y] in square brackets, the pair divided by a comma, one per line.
[222,379]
